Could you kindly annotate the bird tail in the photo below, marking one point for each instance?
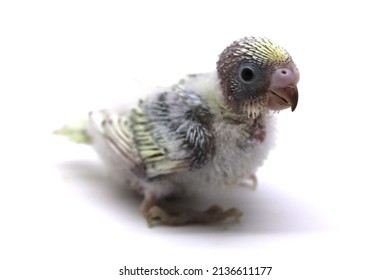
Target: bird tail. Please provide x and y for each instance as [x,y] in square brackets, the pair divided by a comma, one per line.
[76,132]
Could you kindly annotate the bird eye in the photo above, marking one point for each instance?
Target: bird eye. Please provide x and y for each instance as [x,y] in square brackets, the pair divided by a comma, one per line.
[247,74]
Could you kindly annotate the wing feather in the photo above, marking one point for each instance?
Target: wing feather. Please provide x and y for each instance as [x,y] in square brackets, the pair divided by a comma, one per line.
[165,134]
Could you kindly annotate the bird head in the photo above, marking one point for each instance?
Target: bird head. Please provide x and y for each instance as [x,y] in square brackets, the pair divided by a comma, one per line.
[256,76]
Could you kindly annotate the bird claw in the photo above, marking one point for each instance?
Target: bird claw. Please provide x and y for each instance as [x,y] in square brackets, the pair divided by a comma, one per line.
[178,216]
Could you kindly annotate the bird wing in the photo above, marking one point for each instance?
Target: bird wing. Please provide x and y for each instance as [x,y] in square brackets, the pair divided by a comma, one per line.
[166,133]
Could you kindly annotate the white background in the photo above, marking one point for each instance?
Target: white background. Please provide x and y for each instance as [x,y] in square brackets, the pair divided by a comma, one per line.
[322,205]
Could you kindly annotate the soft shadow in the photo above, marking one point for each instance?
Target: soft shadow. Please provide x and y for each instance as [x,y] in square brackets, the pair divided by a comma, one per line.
[266,210]
[271,211]
[94,182]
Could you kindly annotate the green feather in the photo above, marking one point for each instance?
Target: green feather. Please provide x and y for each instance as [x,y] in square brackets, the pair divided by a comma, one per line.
[75,133]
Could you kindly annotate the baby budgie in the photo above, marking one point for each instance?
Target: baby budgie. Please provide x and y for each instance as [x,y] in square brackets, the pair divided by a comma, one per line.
[206,133]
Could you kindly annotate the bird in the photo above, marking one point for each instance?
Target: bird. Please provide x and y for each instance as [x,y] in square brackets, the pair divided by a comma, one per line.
[207,133]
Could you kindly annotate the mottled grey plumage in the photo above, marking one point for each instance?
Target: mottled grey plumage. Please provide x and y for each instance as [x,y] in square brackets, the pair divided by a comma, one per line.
[206,133]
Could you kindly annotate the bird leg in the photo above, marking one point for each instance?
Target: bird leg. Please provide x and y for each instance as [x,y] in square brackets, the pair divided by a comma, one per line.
[177,216]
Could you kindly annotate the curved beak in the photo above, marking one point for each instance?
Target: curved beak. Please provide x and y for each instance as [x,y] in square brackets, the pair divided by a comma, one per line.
[283,98]
[294,98]
[289,95]
[283,88]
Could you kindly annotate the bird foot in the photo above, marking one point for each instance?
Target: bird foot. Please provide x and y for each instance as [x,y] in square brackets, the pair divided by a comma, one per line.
[183,216]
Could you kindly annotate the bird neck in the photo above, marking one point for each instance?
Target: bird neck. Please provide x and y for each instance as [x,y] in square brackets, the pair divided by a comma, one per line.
[230,115]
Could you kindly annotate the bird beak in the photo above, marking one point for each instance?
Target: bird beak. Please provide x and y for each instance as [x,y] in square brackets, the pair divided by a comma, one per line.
[290,95]
[283,88]
[294,98]
[282,98]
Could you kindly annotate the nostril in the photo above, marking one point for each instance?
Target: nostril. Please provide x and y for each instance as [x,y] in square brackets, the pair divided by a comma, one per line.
[284,77]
